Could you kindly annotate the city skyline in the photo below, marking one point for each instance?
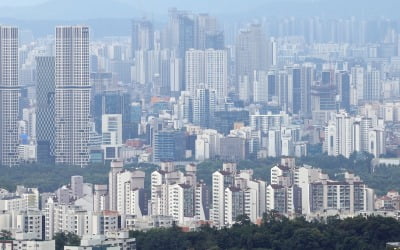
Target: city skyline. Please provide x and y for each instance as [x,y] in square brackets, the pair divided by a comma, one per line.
[203,114]
[156,9]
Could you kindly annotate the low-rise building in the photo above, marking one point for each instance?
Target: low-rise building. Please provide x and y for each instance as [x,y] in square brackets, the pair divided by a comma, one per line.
[111,241]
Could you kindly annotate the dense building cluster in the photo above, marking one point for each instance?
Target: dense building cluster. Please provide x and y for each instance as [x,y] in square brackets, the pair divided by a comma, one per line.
[186,91]
[177,197]
[194,89]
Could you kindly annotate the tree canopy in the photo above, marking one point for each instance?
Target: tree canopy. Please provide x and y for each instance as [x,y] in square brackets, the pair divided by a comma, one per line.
[278,233]
[66,239]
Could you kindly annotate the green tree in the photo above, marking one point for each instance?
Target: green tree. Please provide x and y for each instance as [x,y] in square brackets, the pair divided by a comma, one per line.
[243,220]
[66,239]
[279,233]
[5,235]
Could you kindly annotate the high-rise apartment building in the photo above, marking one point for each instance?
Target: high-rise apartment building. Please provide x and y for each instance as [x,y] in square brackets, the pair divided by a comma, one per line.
[9,94]
[205,25]
[251,51]
[307,79]
[116,168]
[72,95]
[220,181]
[346,134]
[373,86]
[295,87]
[216,72]
[207,69]
[215,40]
[142,36]
[181,31]
[357,82]
[260,87]
[194,70]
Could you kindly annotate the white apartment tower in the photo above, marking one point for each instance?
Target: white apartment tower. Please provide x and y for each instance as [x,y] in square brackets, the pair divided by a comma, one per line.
[112,136]
[9,94]
[260,87]
[345,134]
[72,95]
[207,69]
[194,70]
[216,72]
[357,82]
[130,199]
[220,181]
[116,167]
[373,86]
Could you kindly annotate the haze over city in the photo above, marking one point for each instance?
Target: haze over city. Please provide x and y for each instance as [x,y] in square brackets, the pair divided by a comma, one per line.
[181,124]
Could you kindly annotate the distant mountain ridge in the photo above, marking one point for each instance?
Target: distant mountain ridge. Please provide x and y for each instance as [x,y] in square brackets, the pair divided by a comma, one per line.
[112,17]
[90,9]
[70,10]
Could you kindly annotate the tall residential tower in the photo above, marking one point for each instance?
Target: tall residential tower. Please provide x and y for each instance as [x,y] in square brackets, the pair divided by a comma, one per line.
[9,94]
[72,95]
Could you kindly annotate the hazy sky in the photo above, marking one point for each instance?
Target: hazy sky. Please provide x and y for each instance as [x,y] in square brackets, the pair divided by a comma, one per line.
[194,4]
[20,2]
[121,8]
[88,9]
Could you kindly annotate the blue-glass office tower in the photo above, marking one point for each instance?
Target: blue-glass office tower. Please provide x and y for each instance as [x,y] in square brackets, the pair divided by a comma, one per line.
[204,108]
[115,102]
[215,40]
[271,78]
[225,120]
[345,91]
[142,36]
[296,80]
[169,145]
[45,92]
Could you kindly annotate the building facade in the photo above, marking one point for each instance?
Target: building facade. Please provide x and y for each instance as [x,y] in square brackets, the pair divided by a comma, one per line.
[9,96]
[72,95]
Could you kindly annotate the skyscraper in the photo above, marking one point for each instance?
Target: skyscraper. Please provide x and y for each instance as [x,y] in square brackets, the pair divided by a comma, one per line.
[216,72]
[345,88]
[204,108]
[9,91]
[220,181]
[324,97]
[260,87]
[373,86]
[215,40]
[72,95]
[207,69]
[112,136]
[307,79]
[142,36]
[205,25]
[295,80]
[194,70]
[182,32]
[358,82]
[251,51]
[272,85]
[45,91]
[169,145]
[116,167]
[114,102]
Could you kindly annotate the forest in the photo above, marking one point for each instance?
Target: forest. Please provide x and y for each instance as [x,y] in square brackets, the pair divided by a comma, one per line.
[278,233]
[50,177]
